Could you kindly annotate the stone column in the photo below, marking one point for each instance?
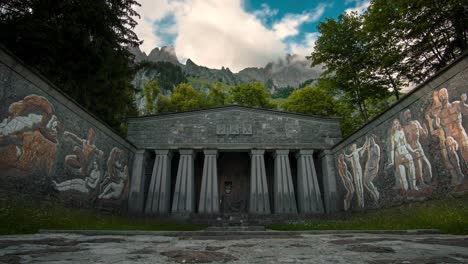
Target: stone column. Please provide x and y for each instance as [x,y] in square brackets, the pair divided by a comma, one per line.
[137,182]
[209,199]
[329,181]
[159,192]
[184,194]
[310,200]
[285,200]
[259,202]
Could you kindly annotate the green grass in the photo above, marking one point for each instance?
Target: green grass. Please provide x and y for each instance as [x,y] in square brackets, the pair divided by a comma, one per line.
[450,215]
[25,218]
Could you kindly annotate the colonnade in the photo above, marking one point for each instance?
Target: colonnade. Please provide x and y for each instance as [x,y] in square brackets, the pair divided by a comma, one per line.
[158,199]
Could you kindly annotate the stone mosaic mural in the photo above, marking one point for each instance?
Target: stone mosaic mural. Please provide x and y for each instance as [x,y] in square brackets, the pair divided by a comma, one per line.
[418,153]
[30,139]
[355,179]
[52,149]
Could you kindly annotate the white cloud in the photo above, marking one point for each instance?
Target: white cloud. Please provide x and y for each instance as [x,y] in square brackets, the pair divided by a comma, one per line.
[306,47]
[290,23]
[152,11]
[265,13]
[359,6]
[216,33]
[220,33]
[213,33]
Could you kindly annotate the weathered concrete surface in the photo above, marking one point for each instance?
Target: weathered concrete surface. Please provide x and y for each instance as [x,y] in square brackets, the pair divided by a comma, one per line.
[323,248]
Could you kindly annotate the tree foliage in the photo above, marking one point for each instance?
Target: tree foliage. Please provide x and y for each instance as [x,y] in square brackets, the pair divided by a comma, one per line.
[216,96]
[283,92]
[343,50]
[311,100]
[81,46]
[186,98]
[151,90]
[421,36]
[252,94]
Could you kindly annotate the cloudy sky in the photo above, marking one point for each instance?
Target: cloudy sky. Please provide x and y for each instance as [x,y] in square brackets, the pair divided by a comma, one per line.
[236,33]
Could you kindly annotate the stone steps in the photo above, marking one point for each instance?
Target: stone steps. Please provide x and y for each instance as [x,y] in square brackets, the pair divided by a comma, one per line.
[236,228]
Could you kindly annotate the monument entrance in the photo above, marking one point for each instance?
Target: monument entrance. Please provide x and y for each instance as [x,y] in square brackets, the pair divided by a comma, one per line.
[234,178]
[229,160]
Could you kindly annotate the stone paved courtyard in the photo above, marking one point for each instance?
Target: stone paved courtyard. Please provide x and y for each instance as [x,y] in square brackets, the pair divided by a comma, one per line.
[305,248]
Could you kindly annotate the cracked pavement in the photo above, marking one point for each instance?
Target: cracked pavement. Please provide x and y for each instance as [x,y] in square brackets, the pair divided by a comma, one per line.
[304,248]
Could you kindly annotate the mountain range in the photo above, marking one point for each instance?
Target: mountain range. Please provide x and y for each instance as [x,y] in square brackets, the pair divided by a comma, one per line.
[290,71]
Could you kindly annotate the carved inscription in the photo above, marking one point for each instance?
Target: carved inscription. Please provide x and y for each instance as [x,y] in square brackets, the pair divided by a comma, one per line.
[234,129]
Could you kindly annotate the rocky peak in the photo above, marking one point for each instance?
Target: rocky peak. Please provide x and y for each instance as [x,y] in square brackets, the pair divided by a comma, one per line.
[166,53]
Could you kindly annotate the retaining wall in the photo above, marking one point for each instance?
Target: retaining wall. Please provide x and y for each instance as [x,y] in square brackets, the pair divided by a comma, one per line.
[51,148]
[416,150]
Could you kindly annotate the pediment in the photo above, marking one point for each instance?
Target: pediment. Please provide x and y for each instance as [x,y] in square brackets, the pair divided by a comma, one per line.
[233,127]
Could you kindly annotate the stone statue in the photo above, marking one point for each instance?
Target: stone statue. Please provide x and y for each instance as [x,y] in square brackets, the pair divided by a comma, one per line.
[347,180]
[413,131]
[372,167]
[401,158]
[354,159]
[82,157]
[452,163]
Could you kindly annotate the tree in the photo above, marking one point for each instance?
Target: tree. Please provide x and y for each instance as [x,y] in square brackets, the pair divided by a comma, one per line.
[81,46]
[423,35]
[163,104]
[283,92]
[186,98]
[151,90]
[216,97]
[252,94]
[343,50]
[311,100]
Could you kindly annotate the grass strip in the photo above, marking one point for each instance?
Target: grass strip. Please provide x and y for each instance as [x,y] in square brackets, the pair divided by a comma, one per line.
[449,215]
[17,217]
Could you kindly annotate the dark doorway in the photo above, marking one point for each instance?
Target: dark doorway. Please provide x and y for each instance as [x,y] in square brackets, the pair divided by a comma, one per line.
[234,176]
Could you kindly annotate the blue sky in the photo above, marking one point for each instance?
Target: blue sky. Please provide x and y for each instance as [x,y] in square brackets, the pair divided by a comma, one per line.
[236,33]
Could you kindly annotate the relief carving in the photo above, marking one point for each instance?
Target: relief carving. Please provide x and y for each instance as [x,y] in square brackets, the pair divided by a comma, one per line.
[445,123]
[413,131]
[85,164]
[359,180]
[234,129]
[401,159]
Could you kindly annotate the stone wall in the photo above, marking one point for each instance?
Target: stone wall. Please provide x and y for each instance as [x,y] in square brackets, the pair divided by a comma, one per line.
[51,148]
[234,127]
[416,150]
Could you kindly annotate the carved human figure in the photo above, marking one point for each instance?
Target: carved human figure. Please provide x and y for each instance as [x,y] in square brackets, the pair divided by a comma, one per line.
[82,185]
[450,114]
[28,137]
[452,149]
[413,131]
[116,176]
[401,158]
[372,167]
[451,161]
[347,180]
[354,159]
[82,157]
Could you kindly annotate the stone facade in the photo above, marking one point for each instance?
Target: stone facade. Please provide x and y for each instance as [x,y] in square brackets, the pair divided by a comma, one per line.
[50,146]
[233,127]
[270,138]
[418,149]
